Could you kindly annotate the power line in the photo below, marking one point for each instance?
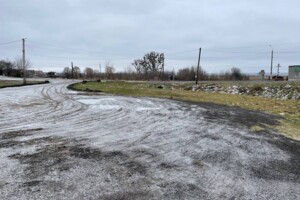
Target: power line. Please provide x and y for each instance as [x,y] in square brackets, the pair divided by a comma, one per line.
[255,46]
[236,52]
[286,52]
[10,42]
[72,58]
[216,50]
[181,52]
[71,49]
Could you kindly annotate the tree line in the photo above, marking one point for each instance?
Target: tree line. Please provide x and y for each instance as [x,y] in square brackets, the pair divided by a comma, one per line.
[149,67]
[13,68]
[89,73]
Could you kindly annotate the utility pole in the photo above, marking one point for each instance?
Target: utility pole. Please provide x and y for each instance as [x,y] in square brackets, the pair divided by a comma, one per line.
[271,74]
[72,70]
[23,61]
[198,66]
[278,66]
[173,74]
[100,70]
[163,68]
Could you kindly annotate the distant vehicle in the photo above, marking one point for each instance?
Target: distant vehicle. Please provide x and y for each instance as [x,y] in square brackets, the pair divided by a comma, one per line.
[51,75]
[278,78]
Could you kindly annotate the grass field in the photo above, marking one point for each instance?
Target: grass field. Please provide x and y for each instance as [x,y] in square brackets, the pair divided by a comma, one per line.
[16,83]
[7,83]
[289,109]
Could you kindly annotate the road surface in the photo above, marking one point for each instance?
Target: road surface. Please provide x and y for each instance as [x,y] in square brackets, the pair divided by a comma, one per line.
[61,144]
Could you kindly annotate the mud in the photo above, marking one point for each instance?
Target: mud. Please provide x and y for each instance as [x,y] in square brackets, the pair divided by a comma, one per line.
[234,115]
[75,146]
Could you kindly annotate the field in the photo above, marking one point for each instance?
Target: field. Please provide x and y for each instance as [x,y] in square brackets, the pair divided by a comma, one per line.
[18,82]
[57,143]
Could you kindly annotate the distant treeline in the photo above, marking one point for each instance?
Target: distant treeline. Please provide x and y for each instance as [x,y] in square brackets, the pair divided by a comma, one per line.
[183,74]
[150,67]
[9,68]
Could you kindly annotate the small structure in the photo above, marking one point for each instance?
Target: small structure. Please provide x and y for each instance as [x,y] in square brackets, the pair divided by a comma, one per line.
[51,75]
[39,74]
[29,73]
[294,73]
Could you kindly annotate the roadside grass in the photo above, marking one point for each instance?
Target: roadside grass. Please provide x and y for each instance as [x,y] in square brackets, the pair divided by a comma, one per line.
[289,109]
[17,83]
[7,83]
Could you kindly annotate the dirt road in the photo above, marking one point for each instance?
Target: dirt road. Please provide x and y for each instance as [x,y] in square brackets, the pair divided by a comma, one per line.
[60,144]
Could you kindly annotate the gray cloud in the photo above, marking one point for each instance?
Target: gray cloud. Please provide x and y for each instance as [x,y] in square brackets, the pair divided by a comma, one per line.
[59,32]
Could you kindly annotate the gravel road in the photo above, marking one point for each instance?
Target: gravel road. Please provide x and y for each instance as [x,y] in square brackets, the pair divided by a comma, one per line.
[61,144]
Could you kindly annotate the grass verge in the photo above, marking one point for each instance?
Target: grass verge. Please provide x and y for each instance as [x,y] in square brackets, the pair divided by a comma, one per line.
[289,109]
[18,83]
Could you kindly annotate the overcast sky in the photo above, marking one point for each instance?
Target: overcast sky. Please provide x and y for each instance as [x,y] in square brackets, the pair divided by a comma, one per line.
[232,32]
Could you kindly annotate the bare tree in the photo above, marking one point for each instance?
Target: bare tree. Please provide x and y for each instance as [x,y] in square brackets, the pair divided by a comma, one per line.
[67,72]
[236,74]
[109,70]
[97,74]
[76,72]
[18,63]
[151,63]
[189,74]
[138,65]
[89,73]
[154,61]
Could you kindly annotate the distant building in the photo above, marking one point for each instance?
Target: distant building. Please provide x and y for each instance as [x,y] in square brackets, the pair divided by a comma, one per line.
[39,74]
[294,73]
[29,73]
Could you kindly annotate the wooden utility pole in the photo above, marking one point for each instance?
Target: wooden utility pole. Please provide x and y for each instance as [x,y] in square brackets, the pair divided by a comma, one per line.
[271,74]
[23,61]
[197,76]
[173,75]
[100,70]
[72,70]
[163,68]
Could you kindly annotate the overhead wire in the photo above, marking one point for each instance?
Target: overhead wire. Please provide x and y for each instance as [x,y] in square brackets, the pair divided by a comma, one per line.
[10,42]
[218,53]
[71,49]
[208,50]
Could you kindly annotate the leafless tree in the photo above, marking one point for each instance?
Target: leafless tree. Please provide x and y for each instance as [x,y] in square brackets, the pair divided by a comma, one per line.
[18,63]
[97,74]
[236,74]
[67,72]
[109,70]
[189,74]
[89,73]
[151,64]
[138,65]
[76,72]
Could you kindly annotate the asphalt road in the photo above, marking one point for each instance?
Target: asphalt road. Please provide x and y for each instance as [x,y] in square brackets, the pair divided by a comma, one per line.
[61,144]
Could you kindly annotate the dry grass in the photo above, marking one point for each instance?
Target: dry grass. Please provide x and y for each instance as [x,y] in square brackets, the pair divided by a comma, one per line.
[6,83]
[16,83]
